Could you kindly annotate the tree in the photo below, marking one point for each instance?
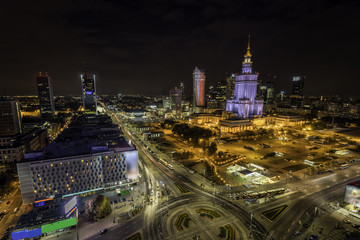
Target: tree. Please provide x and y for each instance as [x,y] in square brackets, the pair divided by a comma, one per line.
[97,207]
[212,148]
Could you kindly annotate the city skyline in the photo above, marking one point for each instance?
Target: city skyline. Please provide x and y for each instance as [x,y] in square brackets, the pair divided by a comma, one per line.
[208,34]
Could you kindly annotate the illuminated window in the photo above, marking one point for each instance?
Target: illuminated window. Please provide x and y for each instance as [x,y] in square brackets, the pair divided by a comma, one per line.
[39,178]
[69,189]
[51,165]
[35,191]
[82,161]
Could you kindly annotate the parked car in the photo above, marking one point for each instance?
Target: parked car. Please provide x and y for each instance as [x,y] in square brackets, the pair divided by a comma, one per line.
[103,231]
[347,221]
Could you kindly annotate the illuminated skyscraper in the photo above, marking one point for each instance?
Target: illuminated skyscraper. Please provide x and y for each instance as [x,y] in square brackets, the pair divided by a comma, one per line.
[297,92]
[199,88]
[88,84]
[245,103]
[45,95]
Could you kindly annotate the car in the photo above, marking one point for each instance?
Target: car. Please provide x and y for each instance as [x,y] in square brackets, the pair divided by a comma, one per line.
[313,237]
[355,225]
[306,225]
[105,230]
[347,221]
[297,233]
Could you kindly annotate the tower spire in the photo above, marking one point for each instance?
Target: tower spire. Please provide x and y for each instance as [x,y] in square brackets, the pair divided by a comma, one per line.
[248,47]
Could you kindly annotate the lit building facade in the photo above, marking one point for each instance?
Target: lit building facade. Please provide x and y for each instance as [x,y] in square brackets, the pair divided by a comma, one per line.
[88,84]
[76,175]
[90,155]
[10,118]
[199,88]
[45,95]
[245,104]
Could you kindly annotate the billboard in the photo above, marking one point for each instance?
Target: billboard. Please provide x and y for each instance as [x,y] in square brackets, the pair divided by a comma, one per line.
[26,234]
[352,195]
[58,225]
[70,205]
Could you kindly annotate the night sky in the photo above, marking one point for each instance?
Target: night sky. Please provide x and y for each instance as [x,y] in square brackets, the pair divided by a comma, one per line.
[146,47]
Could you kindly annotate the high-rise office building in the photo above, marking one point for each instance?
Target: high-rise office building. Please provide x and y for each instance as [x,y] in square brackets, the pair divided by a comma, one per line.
[230,86]
[245,103]
[175,100]
[217,95]
[88,84]
[298,85]
[297,91]
[45,95]
[198,88]
[182,88]
[10,118]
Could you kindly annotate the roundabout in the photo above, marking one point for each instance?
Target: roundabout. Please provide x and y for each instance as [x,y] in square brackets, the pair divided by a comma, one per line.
[194,217]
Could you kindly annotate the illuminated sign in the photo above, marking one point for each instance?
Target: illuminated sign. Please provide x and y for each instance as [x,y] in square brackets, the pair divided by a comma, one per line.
[26,234]
[70,205]
[43,200]
[88,92]
[58,225]
[296,78]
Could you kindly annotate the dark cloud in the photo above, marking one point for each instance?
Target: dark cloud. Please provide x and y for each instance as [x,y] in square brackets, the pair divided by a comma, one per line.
[148,46]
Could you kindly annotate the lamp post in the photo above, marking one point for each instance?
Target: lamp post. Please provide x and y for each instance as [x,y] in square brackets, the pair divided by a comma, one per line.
[251,218]
[204,177]
[214,197]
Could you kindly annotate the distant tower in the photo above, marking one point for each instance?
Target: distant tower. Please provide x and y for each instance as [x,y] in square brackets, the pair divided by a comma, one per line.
[199,88]
[244,102]
[45,95]
[182,89]
[175,100]
[88,84]
[297,92]
[10,118]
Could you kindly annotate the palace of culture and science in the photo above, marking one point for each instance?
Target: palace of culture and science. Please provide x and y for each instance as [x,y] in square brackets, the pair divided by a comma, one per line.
[245,103]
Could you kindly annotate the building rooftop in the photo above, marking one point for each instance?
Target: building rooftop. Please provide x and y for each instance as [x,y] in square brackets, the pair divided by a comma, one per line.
[85,135]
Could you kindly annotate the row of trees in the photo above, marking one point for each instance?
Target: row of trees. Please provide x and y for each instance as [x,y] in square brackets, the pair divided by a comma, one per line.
[192,133]
[257,132]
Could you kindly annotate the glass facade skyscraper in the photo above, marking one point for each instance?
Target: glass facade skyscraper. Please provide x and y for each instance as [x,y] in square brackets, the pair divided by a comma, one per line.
[199,88]
[45,95]
[88,84]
